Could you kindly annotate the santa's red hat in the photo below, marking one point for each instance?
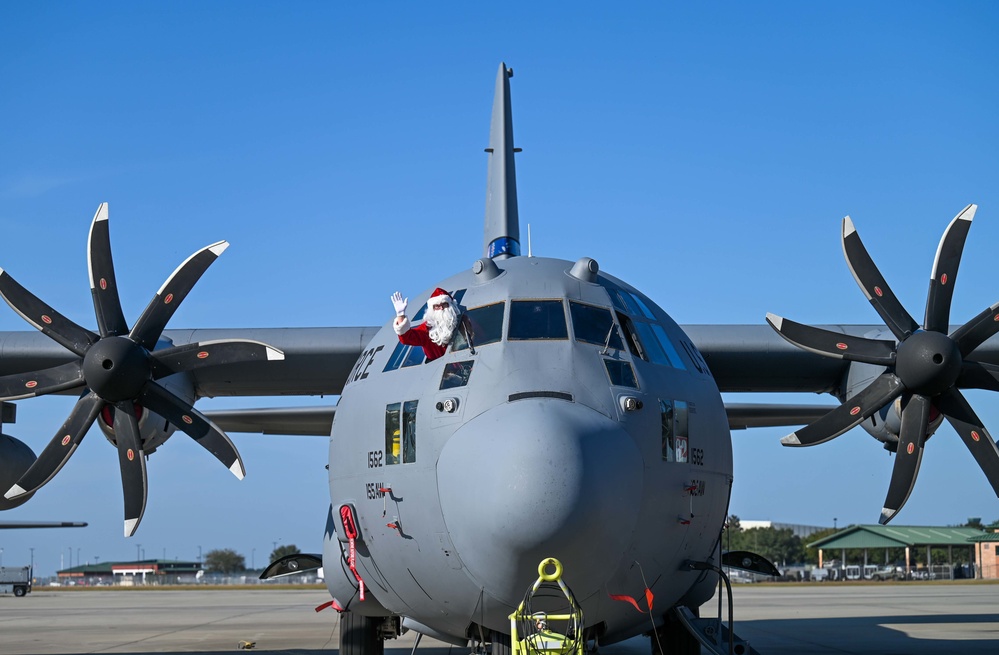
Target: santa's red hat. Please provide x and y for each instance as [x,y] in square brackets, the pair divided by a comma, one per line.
[438,296]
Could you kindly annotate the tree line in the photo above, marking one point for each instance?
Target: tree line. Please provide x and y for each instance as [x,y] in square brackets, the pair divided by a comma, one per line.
[227,561]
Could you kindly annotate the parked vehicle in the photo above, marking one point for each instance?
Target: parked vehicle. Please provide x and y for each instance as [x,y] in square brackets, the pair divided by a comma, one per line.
[15,579]
[887,573]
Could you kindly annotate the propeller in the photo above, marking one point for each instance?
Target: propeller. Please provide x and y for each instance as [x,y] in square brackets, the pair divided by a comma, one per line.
[925,367]
[117,371]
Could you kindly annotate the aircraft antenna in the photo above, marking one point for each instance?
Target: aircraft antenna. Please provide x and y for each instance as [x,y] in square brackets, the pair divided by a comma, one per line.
[502,227]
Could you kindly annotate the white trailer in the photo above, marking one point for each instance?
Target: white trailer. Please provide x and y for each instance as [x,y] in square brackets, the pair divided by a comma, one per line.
[15,580]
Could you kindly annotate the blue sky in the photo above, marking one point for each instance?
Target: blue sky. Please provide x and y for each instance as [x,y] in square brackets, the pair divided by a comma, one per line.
[704,152]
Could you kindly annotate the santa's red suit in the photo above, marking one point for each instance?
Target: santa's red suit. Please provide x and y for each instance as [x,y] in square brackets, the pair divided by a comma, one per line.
[420,335]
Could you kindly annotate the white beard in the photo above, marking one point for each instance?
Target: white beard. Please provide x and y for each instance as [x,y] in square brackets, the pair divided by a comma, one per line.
[442,323]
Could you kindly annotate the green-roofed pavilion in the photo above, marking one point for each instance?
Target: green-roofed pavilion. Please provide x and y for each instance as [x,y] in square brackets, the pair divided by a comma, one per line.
[877,537]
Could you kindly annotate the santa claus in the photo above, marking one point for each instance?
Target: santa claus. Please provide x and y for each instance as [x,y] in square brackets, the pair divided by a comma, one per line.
[435,332]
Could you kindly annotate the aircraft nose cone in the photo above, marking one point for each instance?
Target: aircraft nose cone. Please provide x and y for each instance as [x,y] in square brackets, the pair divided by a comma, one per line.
[540,478]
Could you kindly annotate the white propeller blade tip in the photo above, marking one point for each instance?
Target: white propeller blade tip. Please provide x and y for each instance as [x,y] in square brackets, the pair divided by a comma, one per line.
[237,470]
[14,492]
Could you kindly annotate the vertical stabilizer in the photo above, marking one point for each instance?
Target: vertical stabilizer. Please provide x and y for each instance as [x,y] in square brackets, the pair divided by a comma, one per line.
[502,228]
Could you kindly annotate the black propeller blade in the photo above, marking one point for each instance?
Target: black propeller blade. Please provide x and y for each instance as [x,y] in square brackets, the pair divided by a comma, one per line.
[118,370]
[925,369]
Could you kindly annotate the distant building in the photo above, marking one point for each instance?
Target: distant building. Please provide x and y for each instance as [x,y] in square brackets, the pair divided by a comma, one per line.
[796,529]
[154,572]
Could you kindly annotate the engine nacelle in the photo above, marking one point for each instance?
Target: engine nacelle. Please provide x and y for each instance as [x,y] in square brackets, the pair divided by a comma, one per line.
[883,425]
[153,428]
[16,457]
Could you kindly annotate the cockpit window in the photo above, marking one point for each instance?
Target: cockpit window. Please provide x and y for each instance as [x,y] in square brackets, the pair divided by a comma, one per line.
[484,325]
[646,312]
[594,325]
[621,374]
[623,301]
[456,374]
[537,319]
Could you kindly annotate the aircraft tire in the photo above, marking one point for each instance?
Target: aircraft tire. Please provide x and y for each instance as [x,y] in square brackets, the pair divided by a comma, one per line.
[671,638]
[501,644]
[359,635]
[20,591]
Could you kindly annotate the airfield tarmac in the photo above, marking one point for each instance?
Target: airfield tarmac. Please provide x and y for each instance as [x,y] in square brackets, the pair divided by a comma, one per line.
[778,620]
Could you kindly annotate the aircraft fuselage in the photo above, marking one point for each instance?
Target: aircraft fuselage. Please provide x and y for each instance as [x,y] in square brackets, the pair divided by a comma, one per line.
[556,434]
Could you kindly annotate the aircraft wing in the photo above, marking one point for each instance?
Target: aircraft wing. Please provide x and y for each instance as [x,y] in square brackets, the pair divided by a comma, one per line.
[21,525]
[301,421]
[316,361]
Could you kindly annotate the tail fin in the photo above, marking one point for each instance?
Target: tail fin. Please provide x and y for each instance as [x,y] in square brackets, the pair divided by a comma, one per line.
[502,226]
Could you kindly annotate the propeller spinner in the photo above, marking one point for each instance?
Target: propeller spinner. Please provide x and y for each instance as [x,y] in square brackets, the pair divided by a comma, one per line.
[924,370]
[117,370]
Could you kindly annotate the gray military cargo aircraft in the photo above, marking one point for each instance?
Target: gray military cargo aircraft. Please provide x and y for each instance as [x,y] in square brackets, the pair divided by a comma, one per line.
[570,417]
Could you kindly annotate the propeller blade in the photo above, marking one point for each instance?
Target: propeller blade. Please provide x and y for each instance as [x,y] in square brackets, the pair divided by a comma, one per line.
[976,331]
[834,344]
[873,284]
[103,287]
[40,383]
[969,427]
[209,353]
[912,435]
[193,423]
[132,461]
[978,375]
[886,388]
[62,446]
[944,274]
[161,308]
[47,320]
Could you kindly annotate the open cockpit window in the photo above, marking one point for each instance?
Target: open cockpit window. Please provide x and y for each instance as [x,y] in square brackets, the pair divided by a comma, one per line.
[482,325]
[595,325]
[537,319]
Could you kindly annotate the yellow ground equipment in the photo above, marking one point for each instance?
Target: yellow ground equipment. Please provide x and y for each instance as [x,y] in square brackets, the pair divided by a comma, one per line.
[548,620]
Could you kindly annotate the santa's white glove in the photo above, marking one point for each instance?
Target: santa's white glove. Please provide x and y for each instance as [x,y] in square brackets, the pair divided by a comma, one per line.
[399,303]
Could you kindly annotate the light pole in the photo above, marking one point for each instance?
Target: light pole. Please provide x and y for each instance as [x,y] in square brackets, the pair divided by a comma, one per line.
[199,555]
[77,556]
[834,523]
[137,547]
[32,549]
[70,557]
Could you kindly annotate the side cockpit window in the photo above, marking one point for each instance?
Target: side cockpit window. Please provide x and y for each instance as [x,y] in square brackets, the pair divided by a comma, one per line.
[595,325]
[537,319]
[400,432]
[456,374]
[481,325]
